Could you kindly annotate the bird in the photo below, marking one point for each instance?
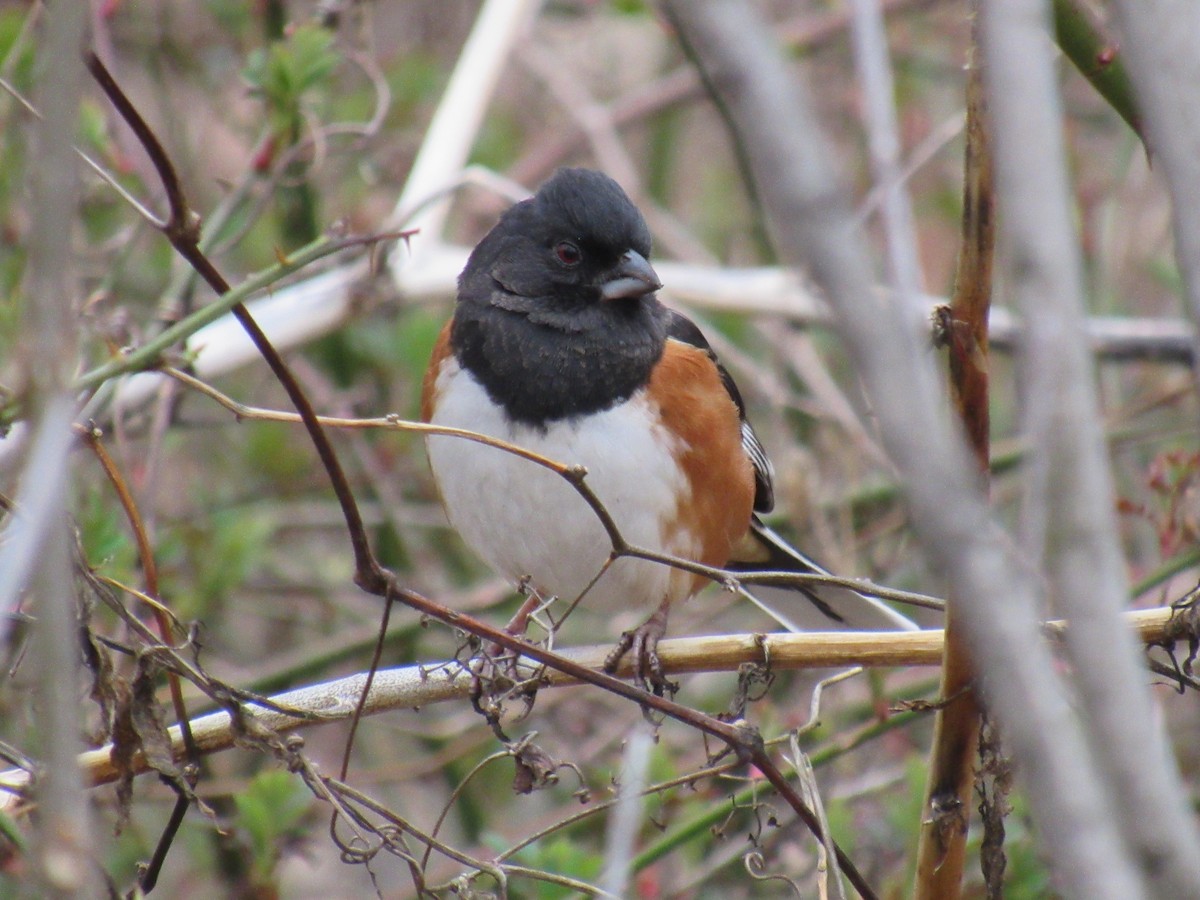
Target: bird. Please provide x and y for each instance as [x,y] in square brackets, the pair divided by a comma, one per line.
[558,344]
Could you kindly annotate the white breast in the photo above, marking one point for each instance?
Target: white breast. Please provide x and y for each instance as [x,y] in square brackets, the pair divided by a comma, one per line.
[528,522]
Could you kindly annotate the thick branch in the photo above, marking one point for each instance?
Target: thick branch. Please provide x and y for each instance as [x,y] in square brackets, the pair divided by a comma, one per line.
[1160,44]
[416,686]
[941,853]
[813,224]
[1072,504]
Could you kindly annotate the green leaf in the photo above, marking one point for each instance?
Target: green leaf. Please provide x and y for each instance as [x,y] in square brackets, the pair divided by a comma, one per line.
[271,811]
[10,832]
[563,856]
[106,538]
[288,70]
[1097,57]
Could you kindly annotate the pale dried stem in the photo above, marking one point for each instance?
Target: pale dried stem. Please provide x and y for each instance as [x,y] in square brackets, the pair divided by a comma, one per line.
[812,224]
[415,686]
[61,855]
[1072,500]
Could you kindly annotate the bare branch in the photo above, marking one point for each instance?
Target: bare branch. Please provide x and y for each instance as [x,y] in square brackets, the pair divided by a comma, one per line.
[62,855]
[425,684]
[812,222]
[1161,38]
[1071,498]
[875,72]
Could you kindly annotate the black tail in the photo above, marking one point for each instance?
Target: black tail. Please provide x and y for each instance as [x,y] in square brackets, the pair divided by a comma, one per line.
[767,551]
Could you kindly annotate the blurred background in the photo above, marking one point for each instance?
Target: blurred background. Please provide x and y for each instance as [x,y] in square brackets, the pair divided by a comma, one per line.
[288,120]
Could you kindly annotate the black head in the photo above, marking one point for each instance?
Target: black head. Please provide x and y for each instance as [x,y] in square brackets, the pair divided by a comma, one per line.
[556,308]
[578,241]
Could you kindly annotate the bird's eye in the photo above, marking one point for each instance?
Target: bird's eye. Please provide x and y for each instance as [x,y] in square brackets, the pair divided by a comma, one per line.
[568,254]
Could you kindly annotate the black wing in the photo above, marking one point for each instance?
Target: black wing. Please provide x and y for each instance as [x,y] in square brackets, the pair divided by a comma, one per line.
[683,329]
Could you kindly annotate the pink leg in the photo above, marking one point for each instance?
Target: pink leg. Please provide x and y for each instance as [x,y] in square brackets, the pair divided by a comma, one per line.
[642,645]
[519,623]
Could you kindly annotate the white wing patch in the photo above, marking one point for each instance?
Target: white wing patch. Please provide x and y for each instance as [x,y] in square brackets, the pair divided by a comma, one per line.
[758,455]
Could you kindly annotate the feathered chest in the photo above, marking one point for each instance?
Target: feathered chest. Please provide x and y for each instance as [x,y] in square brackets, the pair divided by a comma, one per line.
[527,521]
[549,371]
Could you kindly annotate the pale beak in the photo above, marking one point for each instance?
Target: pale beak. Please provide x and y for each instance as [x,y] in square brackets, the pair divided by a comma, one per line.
[630,278]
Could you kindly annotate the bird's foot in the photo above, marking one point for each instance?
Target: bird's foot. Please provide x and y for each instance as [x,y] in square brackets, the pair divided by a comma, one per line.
[518,625]
[641,644]
[498,672]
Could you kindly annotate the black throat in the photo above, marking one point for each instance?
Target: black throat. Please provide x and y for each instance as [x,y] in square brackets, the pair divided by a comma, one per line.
[549,367]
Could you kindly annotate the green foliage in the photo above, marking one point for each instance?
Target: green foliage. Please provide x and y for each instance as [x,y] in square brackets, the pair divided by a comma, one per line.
[417,331]
[93,128]
[271,814]
[10,317]
[280,455]
[630,7]
[1165,272]
[562,855]
[842,826]
[414,79]
[906,810]
[18,69]
[288,72]
[663,149]
[218,553]
[233,16]
[499,143]
[663,767]
[107,543]
[1026,874]
[289,75]
[13,175]
[11,834]
[383,357]
[359,353]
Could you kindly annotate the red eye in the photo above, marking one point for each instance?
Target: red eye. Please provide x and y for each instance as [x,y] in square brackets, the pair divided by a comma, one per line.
[568,254]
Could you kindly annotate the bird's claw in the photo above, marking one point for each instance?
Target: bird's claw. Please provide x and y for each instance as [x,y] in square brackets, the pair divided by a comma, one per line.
[641,644]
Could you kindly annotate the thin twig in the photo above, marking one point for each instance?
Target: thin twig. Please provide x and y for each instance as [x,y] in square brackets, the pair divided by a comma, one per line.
[576,476]
[429,683]
[183,232]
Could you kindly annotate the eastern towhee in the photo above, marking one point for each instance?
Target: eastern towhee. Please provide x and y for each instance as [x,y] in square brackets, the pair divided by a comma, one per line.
[560,345]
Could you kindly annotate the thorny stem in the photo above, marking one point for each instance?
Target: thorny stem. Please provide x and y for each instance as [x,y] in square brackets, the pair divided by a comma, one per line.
[166,629]
[941,850]
[182,230]
[164,621]
[576,476]
[742,740]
